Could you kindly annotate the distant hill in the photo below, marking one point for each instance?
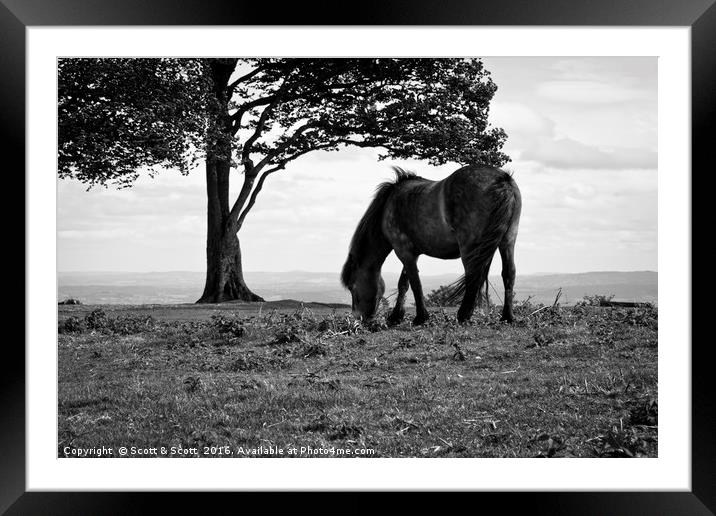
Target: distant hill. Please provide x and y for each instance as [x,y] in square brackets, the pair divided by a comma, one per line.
[322,287]
[624,286]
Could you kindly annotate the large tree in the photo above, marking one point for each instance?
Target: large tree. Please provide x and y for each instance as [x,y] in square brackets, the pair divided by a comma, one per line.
[251,117]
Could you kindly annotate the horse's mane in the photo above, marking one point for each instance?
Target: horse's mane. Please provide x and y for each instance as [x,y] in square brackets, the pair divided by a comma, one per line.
[369,227]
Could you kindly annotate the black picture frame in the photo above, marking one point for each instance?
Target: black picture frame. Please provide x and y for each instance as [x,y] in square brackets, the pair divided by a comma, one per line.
[700,15]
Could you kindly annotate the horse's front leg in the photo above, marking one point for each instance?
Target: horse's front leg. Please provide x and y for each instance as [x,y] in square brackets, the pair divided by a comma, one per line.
[399,309]
[411,267]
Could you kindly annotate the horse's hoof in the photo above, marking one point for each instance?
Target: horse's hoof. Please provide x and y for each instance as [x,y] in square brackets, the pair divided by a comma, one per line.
[507,318]
[419,320]
[393,321]
[395,318]
[463,318]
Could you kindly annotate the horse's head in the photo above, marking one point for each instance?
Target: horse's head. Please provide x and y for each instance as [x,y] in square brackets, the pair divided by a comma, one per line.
[366,286]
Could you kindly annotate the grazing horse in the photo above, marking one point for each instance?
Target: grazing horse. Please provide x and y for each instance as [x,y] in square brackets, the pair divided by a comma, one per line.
[468,215]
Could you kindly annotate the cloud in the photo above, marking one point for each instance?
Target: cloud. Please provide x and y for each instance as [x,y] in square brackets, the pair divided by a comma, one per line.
[580,191]
[566,153]
[515,117]
[532,136]
[590,92]
[96,234]
[347,154]
[623,69]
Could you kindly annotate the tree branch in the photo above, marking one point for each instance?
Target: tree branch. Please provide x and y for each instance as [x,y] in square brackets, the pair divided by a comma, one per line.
[244,108]
[298,132]
[245,153]
[364,143]
[252,172]
[297,155]
[249,178]
[271,99]
[255,194]
[245,77]
[280,166]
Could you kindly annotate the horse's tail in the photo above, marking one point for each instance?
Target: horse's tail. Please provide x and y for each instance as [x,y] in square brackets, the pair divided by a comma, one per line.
[504,196]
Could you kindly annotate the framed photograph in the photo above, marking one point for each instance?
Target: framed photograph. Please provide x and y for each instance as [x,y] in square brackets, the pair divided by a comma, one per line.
[540,162]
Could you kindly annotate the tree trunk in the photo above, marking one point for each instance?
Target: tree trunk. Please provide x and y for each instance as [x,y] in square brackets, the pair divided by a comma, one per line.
[224,271]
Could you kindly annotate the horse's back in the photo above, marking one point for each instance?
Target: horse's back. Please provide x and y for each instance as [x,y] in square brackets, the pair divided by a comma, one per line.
[477,178]
[415,220]
[432,217]
[472,192]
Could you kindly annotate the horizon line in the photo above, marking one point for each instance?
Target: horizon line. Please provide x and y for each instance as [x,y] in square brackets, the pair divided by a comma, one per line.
[540,273]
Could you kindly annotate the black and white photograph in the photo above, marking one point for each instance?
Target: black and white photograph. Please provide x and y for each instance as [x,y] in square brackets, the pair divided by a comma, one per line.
[369,257]
[409,257]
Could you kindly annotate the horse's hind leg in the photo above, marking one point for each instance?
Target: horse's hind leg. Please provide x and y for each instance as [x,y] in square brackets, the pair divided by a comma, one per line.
[483,296]
[399,309]
[468,300]
[507,253]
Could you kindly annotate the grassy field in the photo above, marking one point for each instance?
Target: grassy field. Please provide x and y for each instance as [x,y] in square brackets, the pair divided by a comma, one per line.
[239,381]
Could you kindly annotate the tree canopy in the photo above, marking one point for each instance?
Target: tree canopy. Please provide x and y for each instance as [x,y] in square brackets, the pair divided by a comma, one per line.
[117,116]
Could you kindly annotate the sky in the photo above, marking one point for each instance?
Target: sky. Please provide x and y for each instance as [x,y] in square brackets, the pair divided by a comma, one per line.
[582,135]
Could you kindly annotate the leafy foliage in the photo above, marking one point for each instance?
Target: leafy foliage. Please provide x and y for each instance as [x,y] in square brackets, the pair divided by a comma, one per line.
[72,324]
[70,301]
[441,297]
[229,325]
[595,300]
[118,116]
[98,320]
[433,109]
